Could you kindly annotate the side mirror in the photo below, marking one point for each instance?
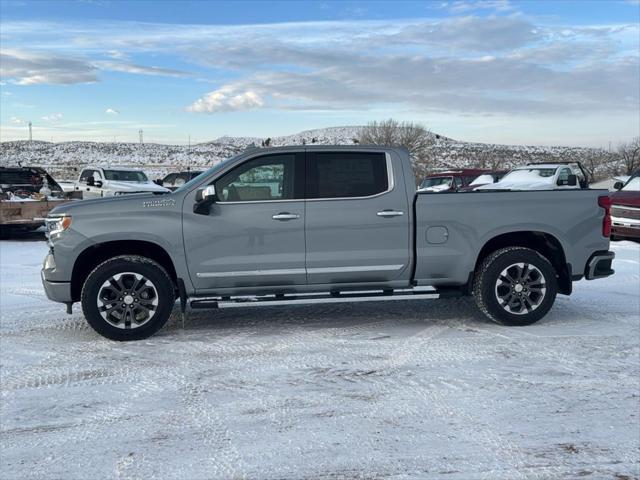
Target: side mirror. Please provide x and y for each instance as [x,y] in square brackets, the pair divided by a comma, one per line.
[97,183]
[572,181]
[204,198]
[91,181]
[158,181]
[206,194]
[618,185]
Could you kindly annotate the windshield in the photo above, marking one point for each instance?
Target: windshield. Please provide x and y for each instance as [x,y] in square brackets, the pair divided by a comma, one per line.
[196,180]
[633,184]
[433,181]
[125,176]
[482,180]
[529,174]
[540,172]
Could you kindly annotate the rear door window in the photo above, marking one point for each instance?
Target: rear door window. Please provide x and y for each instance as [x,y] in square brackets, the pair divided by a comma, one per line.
[346,174]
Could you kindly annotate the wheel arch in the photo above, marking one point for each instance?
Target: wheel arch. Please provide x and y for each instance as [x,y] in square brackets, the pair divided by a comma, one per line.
[544,243]
[94,255]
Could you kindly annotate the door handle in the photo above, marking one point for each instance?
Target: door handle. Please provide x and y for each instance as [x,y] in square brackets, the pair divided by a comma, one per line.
[390,213]
[284,216]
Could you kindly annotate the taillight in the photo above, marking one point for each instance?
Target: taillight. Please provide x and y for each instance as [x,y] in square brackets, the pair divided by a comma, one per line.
[605,202]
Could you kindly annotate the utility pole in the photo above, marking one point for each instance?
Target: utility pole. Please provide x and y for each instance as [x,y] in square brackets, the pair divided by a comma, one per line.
[140,133]
[189,155]
[30,133]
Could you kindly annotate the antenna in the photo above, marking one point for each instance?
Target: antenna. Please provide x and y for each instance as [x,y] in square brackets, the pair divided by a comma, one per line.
[30,133]
[140,133]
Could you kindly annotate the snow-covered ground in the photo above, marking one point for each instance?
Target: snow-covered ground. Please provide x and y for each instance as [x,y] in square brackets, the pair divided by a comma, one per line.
[411,389]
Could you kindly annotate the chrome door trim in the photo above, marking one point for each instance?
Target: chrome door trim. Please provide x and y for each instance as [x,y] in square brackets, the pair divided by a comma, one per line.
[261,201]
[301,271]
[251,273]
[363,268]
[390,188]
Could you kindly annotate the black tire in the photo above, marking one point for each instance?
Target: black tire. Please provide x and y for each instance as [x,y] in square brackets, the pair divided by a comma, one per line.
[156,298]
[497,296]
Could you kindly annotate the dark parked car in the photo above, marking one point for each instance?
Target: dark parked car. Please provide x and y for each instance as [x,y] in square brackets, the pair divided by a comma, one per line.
[173,181]
[625,209]
[457,180]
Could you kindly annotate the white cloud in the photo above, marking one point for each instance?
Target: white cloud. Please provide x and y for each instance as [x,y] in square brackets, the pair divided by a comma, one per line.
[117,55]
[227,99]
[111,111]
[462,6]
[140,69]
[25,67]
[491,65]
[17,121]
[52,118]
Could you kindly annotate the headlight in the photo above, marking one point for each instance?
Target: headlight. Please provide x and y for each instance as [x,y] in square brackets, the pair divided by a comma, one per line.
[57,224]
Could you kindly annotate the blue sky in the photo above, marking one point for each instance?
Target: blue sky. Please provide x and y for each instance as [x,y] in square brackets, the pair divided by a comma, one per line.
[501,71]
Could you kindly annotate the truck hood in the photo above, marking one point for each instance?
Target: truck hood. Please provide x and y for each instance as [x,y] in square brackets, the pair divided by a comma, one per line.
[134,186]
[120,202]
[630,198]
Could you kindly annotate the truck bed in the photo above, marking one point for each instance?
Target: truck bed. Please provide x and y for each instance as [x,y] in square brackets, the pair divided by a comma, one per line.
[452,228]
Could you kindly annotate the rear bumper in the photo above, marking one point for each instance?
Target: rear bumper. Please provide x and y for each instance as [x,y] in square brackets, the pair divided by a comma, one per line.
[625,227]
[599,265]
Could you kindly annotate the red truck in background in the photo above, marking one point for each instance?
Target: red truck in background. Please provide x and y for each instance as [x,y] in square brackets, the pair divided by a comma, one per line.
[461,180]
[625,209]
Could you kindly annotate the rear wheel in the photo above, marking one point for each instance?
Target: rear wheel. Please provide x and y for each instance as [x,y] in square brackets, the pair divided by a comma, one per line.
[127,298]
[515,286]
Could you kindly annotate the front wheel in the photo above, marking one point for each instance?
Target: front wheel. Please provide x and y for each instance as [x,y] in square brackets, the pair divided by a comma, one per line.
[515,286]
[127,298]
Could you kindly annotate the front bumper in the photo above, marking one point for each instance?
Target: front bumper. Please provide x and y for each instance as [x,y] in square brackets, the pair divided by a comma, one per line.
[55,291]
[599,265]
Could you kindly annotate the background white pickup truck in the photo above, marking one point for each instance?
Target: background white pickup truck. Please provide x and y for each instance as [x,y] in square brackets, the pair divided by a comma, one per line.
[541,176]
[96,182]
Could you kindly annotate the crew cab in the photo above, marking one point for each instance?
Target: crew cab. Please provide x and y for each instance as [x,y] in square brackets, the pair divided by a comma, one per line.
[320,223]
[95,182]
[625,209]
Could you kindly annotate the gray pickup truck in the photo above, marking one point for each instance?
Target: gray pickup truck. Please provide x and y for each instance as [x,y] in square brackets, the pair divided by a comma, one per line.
[301,224]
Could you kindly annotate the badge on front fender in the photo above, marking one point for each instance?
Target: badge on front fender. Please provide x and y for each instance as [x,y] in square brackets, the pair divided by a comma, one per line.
[161,202]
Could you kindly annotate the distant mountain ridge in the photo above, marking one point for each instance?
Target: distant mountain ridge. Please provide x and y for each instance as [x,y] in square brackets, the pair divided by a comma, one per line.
[64,159]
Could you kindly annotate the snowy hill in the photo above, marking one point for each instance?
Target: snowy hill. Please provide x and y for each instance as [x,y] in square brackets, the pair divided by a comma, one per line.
[63,160]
